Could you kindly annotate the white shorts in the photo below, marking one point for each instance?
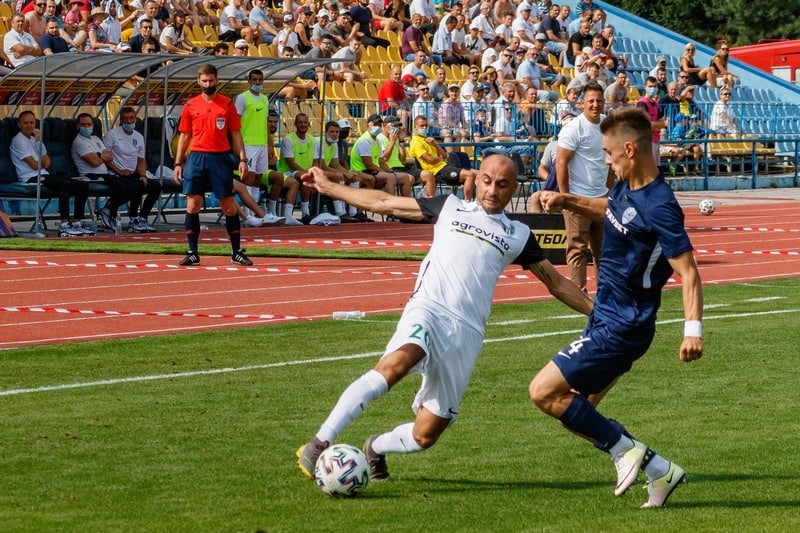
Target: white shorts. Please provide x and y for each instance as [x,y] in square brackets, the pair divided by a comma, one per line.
[451,349]
[257,160]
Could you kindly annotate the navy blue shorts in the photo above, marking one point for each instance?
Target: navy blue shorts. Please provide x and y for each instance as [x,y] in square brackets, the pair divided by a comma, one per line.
[599,356]
[206,171]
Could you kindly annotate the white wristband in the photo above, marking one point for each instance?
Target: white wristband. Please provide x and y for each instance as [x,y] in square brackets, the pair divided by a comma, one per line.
[692,328]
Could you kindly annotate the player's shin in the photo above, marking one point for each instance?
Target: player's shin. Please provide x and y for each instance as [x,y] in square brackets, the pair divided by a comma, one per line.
[352,403]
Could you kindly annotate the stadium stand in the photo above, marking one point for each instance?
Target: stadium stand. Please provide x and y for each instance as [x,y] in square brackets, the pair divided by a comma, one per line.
[769,127]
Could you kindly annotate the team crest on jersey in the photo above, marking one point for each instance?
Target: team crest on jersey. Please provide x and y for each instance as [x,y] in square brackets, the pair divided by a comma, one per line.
[221,123]
[628,215]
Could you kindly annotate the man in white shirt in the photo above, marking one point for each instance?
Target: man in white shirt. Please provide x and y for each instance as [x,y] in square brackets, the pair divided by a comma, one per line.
[18,45]
[529,75]
[441,331]
[525,24]
[150,12]
[505,114]
[483,23]
[30,159]
[415,67]
[505,30]
[233,24]
[129,164]
[349,55]
[581,169]
[426,8]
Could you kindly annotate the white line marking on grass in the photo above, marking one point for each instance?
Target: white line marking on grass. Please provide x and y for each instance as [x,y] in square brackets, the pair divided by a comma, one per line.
[765,299]
[529,320]
[155,377]
[228,370]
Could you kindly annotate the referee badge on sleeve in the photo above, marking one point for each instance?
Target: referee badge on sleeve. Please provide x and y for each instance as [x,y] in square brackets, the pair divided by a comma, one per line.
[220,123]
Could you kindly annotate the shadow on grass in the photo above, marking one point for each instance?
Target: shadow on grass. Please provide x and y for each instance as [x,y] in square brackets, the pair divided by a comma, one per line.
[477,484]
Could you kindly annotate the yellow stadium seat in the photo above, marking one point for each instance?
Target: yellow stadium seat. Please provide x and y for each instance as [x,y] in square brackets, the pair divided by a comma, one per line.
[6,11]
[394,54]
[383,54]
[126,35]
[370,54]
[394,39]
[337,90]
[210,33]
[264,50]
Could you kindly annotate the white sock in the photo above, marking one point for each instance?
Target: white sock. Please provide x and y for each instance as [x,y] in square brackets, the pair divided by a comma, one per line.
[352,403]
[351,209]
[288,209]
[338,207]
[657,467]
[399,440]
[273,207]
[623,445]
[304,209]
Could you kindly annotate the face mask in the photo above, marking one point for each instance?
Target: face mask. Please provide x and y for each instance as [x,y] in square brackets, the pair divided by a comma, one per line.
[129,127]
[651,91]
[422,132]
[86,131]
[344,134]
[417,26]
[330,140]
[255,88]
[375,130]
[210,90]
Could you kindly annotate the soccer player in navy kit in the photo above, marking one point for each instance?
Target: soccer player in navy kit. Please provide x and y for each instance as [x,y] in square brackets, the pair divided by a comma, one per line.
[644,241]
[440,334]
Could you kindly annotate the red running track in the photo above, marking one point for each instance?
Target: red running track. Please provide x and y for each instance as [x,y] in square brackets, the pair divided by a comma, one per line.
[57,297]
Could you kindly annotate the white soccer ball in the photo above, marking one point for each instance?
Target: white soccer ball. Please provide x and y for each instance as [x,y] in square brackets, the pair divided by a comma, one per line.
[342,471]
[707,207]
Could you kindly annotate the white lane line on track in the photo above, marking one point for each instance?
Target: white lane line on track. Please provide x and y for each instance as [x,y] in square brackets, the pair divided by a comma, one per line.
[228,370]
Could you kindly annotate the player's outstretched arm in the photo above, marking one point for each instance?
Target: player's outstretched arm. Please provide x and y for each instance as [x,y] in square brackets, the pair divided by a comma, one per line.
[368,199]
[561,287]
[594,208]
[686,268]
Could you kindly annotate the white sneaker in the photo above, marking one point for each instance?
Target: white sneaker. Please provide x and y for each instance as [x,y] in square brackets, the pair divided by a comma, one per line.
[325,219]
[660,489]
[628,464]
[252,222]
[82,228]
[67,230]
[291,221]
[271,220]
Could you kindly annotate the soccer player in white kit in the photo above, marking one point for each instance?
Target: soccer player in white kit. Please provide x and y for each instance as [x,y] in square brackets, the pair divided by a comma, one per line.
[440,333]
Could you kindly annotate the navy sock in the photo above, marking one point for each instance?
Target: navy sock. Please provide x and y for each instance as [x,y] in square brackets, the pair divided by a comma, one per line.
[622,430]
[581,417]
[192,224]
[233,225]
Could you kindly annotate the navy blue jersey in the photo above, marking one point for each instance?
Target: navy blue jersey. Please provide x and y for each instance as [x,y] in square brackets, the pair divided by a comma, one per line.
[643,229]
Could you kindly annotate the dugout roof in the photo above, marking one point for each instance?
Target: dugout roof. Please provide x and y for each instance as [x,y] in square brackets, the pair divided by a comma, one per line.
[70,83]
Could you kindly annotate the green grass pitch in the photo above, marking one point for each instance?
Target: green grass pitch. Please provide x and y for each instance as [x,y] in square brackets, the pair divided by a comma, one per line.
[197,432]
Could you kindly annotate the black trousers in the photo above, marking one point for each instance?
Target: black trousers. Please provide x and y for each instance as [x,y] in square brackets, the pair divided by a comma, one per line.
[65,188]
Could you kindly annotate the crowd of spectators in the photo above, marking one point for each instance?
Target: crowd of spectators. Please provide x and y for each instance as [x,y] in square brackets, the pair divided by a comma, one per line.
[526,65]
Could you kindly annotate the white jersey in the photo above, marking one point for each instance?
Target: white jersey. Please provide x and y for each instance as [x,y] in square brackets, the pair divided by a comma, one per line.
[87,145]
[470,250]
[126,148]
